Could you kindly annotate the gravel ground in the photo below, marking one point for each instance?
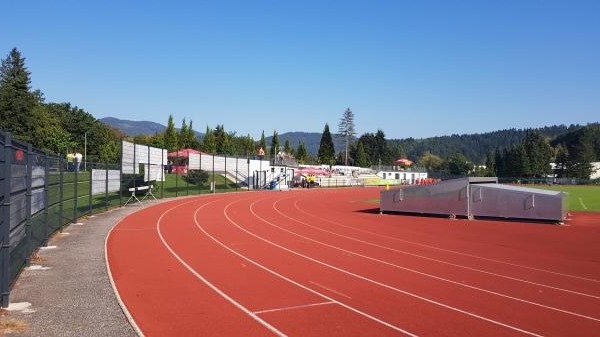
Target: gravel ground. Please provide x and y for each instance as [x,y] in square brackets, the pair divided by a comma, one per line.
[67,291]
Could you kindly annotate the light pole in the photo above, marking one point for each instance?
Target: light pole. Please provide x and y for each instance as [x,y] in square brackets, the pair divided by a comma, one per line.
[85,151]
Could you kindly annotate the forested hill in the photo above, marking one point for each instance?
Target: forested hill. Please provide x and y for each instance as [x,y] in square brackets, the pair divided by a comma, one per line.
[474,146]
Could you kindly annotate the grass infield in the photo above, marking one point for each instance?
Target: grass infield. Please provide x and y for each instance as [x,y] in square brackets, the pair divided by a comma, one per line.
[581,197]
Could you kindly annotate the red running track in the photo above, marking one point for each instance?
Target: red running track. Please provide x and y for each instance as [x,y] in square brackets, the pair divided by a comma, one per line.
[324,262]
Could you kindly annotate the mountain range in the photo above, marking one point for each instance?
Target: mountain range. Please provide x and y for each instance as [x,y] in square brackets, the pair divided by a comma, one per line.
[311,140]
[474,146]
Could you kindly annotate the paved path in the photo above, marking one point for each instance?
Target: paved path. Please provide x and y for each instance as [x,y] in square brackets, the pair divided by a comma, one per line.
[69,290]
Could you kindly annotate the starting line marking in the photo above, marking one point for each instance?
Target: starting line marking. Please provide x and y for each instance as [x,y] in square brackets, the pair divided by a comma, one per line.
[293,307]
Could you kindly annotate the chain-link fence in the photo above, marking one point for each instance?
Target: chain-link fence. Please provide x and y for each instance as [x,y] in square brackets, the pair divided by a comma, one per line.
[40,193]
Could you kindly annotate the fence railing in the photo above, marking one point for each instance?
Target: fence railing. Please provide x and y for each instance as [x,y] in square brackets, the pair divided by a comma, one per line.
[40,193]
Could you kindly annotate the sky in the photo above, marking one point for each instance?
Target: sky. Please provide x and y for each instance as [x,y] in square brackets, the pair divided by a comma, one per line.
[409,68]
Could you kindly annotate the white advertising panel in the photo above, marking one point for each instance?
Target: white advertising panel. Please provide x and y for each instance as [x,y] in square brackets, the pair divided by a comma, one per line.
[99,181]
[154,173]
[194,161]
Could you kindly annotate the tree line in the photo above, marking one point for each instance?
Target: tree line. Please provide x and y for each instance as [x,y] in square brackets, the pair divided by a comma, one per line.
[62,128]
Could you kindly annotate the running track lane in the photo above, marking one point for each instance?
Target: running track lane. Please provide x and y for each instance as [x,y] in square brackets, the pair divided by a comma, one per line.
[294,288]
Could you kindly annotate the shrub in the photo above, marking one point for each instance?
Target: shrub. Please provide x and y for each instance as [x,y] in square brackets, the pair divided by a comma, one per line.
[196,177]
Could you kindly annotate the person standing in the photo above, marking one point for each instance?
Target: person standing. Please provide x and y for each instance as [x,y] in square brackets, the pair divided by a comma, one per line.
[78,158]
[70,162]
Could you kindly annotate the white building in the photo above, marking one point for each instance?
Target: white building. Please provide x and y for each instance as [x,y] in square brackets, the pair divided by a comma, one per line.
[402,177]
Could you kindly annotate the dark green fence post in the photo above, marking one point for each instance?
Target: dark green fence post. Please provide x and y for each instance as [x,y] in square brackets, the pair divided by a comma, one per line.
[76,196]
[248,176]
[90,180]
[200,183]
[61,180]
[28,240]
[6,172]
[106,185]
[176,183]
[164,173]
[46,199]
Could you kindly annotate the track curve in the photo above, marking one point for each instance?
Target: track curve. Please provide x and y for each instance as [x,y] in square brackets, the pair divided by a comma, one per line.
[323,262]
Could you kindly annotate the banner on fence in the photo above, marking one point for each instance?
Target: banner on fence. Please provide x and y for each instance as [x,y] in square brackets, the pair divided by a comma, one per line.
[99,185]
[154,173]
[134,154]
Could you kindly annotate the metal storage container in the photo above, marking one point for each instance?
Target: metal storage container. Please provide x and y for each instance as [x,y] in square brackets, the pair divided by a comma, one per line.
[476,196]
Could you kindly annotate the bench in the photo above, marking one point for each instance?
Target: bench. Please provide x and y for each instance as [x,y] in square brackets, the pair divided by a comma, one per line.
[146,189]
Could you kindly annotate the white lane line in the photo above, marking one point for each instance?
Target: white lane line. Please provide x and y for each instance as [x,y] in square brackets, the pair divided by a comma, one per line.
[204,280]
[582,204]
[429,275]
[439,261]
[389,325]
[383,285]
[293,307]
[445,250]
[331,290]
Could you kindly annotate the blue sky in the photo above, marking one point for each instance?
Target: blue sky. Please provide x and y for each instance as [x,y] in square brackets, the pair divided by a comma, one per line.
[410,68]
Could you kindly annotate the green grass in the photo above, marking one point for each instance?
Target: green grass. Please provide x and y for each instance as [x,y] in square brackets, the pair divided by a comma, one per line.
[581,197]
[175,185]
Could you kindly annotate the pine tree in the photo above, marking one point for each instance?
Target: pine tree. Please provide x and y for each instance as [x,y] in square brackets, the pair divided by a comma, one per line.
[208,142]
[191,137]
[346,130]
[361,157]
[381,149]
[171,136]
[263,143]
[301,153]
[490,166]
[16,100]
[222,141]
[539,154]
[562,161]
[182,136]
[326,154]
[274,146]
[581,155]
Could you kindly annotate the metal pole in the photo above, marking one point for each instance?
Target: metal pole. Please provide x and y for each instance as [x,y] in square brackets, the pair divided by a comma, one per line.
[61,180]
[248,166]
[75,200]
[85,151]
[46,199]
[90,201]
[213,174]
[260,173]
[5,272]
[106,185]
[28,176]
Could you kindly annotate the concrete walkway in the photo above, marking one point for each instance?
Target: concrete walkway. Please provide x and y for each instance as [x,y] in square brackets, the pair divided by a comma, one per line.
[67,291]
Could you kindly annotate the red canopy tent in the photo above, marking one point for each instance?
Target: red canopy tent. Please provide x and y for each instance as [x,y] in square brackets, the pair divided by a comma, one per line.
[403,162]
[311,171]
[180,160]
[183,153]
